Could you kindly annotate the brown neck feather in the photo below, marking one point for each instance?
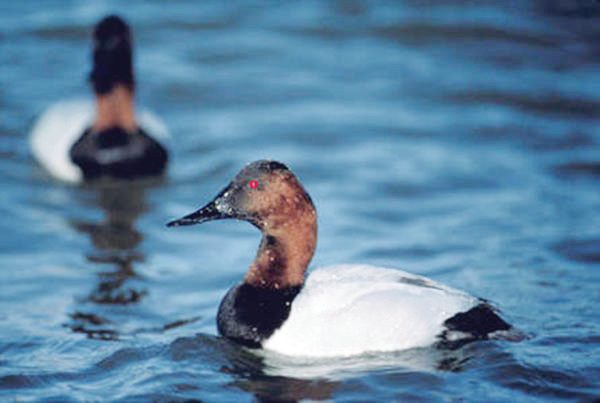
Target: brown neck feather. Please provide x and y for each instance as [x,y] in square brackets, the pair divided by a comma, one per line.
[115,109]
[288,244]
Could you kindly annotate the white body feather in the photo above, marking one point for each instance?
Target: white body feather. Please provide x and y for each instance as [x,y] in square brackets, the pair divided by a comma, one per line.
[351,309]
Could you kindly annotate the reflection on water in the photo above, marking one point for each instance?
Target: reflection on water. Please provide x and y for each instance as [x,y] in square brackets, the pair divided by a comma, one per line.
[247,368]
[116,249]
[267,375]
[428,359]
[115,240]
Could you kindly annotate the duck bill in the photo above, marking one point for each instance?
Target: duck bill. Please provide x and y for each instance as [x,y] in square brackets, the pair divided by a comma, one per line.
[206,213]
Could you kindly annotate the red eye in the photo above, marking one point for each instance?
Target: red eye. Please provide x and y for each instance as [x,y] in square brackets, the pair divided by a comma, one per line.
[253,184]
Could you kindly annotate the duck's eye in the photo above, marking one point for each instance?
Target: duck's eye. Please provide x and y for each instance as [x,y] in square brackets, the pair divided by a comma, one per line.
[253,184]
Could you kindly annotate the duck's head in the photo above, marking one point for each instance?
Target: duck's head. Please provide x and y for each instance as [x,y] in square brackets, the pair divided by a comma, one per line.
[112,55]
[268,195]
[265,193]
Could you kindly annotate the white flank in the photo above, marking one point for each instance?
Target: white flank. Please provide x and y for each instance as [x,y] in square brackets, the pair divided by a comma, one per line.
[352,309]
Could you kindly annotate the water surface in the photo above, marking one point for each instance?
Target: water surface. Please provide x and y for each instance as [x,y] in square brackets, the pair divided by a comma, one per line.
[456,140]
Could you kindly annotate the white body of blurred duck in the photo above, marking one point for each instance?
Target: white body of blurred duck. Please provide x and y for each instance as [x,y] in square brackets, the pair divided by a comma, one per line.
[79,140]
[61,125]
[339,310]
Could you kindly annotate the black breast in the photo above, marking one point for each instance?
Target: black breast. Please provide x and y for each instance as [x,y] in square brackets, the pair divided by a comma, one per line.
[249,314]
[115,153]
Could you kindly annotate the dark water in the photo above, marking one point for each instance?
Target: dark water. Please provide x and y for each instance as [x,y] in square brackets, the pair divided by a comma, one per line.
[454,139]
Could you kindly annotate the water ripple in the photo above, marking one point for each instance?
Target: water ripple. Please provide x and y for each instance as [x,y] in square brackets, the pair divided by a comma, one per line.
[455,139]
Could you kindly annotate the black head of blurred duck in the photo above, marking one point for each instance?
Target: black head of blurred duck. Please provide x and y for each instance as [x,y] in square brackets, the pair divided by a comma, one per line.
[115,147]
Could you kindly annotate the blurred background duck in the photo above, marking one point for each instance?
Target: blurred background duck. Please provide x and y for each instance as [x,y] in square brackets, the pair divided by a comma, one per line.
[79,140]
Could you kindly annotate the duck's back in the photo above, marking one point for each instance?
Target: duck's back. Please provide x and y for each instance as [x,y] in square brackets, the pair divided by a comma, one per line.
[350,309]
[63,124]
[117,154]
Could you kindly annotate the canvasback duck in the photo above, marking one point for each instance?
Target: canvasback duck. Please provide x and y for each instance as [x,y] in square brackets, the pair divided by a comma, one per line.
[339,310]
[78,140]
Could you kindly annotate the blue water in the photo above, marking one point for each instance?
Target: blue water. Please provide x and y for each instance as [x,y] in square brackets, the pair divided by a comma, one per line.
[457,140]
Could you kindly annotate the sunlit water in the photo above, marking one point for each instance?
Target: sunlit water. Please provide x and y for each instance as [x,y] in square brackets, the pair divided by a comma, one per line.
[454,140]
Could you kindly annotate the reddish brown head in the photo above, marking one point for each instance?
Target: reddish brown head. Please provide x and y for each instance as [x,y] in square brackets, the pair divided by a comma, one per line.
[268,195]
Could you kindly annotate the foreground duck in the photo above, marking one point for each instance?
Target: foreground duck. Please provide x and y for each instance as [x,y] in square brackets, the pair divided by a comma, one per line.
[82,141]
[338,310]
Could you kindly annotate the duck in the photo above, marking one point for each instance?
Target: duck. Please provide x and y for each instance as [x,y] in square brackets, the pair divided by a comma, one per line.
[81,141]
[338,310]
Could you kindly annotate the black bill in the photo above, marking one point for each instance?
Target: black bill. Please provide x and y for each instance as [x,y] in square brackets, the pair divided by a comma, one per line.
[206,213]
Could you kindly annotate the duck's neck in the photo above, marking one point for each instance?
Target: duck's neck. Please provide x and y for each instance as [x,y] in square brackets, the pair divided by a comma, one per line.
[284,254]
[115,108]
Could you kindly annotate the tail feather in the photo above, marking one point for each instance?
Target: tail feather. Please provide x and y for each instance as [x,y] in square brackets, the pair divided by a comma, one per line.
[475,324]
